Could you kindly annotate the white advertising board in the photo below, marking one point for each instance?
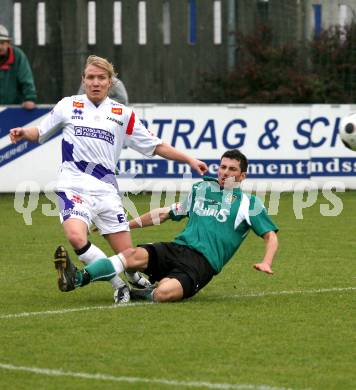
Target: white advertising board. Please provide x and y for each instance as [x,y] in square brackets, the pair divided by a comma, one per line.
[285,144]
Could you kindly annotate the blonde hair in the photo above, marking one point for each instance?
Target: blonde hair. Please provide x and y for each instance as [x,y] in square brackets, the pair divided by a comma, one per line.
[102,63]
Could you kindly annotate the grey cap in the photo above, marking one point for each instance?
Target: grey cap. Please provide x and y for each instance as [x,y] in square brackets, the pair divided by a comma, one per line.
[4,34]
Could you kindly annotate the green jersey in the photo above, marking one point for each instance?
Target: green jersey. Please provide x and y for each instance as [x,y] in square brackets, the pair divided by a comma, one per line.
[219,220]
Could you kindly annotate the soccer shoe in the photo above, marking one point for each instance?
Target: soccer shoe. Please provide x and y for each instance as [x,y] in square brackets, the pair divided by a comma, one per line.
[122,294]
[65,268]
[137,280]
[142,293]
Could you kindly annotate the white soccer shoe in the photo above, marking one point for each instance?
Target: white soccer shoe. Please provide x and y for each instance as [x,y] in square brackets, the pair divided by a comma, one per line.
[122,295]
[137,280]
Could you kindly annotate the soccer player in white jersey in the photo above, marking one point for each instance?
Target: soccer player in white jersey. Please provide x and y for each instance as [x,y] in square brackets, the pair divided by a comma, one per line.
[220,216]
[95,128]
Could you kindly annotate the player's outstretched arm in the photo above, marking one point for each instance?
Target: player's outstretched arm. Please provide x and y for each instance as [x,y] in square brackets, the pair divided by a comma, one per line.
[154,217]
[169,152]
[271,246]
[24,133]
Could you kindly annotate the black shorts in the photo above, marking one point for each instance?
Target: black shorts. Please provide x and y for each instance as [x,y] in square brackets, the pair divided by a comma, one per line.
[170,260]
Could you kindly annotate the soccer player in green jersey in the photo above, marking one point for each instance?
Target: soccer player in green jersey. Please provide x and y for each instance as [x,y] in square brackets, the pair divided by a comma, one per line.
[219,215]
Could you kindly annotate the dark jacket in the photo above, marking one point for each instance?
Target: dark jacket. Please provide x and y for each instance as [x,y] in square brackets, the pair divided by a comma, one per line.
[16,80]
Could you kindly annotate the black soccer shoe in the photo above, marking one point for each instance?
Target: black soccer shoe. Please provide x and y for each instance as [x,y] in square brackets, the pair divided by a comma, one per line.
[65,268]
[142,293]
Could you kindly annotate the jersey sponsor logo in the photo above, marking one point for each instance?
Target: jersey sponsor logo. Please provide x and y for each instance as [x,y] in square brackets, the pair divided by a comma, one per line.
[78,104]
[220,215]
[115,120]
[81,131]
[77,114]
[116,110]
[211,201]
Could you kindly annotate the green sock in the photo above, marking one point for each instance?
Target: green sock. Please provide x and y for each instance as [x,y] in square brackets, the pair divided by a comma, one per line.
[149,296]
[100,270]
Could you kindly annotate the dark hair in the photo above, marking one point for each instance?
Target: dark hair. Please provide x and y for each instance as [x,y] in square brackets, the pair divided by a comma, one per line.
[235,154]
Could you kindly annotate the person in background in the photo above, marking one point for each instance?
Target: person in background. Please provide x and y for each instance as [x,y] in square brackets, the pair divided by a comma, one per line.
[16,80]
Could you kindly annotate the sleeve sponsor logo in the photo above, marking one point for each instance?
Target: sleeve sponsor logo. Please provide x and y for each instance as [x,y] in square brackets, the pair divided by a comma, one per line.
[78,104]
[116,110]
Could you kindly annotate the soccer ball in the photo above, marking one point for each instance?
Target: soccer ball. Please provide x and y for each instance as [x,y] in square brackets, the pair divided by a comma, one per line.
[347,131]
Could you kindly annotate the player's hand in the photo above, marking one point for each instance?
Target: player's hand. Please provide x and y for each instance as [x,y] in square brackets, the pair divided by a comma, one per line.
[263,267]
[28,105]
[199,166]
[17,134]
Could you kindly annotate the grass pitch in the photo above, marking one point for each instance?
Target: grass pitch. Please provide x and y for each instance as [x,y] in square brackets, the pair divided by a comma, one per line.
[245,330]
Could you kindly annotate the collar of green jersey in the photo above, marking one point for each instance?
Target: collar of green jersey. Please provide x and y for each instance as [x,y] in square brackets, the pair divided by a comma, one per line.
[215,180]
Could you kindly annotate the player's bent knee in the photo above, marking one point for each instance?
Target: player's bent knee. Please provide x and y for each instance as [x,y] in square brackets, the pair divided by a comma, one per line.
[166,296]
[169,291]
[129,253]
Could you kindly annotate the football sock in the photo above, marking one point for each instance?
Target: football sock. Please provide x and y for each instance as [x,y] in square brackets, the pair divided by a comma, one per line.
[133,276]
[90,253]
[149,296]
[101,269]
[118,262]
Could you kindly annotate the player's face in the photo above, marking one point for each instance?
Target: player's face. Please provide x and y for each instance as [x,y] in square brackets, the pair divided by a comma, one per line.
[229,173]
[96,83]
[4,47]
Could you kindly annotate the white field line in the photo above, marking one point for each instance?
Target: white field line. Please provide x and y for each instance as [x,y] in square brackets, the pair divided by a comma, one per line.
[73,310]
[292,292]
[237,296]
[112,378]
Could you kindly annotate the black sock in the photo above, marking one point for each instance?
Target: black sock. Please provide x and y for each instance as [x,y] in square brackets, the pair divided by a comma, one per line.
[84,249]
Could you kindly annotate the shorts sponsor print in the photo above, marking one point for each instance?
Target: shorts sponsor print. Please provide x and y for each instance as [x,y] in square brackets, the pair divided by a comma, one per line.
[105,210]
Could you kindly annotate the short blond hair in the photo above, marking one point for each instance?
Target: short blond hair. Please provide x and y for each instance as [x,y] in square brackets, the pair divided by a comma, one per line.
[102,63]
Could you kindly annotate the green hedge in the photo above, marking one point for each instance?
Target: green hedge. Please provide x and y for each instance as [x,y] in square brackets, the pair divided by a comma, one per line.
[321,71]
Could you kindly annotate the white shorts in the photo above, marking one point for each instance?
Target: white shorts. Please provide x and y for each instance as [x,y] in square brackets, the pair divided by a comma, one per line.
[106,210]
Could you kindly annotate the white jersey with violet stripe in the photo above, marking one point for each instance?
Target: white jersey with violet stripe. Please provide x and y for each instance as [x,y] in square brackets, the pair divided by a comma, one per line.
[93,137]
